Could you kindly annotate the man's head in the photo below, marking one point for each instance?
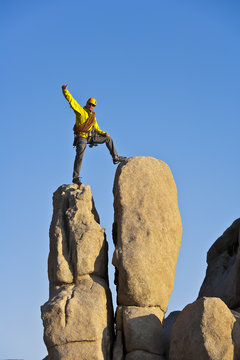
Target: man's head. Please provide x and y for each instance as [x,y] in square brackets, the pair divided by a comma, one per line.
[91,103]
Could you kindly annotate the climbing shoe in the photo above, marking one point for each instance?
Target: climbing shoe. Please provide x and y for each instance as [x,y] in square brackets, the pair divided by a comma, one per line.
[77,181]
[119,159]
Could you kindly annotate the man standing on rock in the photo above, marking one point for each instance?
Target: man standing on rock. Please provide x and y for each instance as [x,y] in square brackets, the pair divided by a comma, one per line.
[87,131]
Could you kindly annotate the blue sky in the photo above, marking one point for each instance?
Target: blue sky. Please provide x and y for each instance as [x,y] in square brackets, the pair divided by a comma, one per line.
[167,80]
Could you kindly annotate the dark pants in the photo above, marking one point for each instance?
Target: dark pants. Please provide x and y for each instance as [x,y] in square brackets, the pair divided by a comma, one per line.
[81,144]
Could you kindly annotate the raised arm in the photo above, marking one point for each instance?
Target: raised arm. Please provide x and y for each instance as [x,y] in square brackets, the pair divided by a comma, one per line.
[72,102]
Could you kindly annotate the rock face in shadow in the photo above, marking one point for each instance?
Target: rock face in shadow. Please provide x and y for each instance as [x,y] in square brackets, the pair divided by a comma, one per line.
[167,328]
[147,234]
[209,328]
[206,330]
[223,271]
[78,317]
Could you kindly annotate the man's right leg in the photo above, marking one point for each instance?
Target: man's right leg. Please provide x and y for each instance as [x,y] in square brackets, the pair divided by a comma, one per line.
[80,149]
[100,139]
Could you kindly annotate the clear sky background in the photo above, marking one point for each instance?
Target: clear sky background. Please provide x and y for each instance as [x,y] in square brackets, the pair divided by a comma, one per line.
[166,76]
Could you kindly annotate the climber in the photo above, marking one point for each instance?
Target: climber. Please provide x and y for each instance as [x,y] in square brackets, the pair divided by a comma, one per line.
[87,131]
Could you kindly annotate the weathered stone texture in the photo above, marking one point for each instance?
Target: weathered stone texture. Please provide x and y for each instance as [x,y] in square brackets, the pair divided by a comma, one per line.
[147,234]
[76,312]
[223,271]
[77,351]
[78,319]
[206,330]
[77,241]
[142,329]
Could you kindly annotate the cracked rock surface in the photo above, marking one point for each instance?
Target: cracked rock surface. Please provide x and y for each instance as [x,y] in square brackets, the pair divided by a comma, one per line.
[78,317]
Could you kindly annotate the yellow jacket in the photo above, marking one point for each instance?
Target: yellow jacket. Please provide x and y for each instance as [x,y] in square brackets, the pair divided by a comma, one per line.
[82,114]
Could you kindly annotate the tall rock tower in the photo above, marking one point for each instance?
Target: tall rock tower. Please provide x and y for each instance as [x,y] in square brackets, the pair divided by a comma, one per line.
[78,317]
[147,234]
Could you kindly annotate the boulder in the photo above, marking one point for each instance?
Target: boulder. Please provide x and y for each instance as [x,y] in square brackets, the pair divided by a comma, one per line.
[206,330]
[138,328]
[142,328]
[77,313]
[223,271]
[147,232]
[147,235]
